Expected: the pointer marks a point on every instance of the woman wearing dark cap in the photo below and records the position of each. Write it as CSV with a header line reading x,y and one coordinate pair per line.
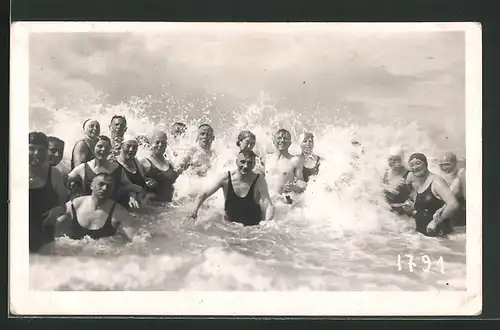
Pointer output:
x,y
432,193
46,191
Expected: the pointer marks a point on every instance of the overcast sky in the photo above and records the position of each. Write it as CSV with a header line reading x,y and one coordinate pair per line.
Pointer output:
x,y
418,75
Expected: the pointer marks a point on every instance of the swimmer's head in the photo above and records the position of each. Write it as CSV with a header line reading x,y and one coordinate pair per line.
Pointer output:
x,y
55,150
395,157
129,147
306,140
205,136
118,125
245,161
282,139
448,162
158,142
246,140
102,148
102,186
178,130
38,148
91,128
418,164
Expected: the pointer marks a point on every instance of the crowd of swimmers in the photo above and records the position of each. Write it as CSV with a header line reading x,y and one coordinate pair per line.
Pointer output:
x,y
106,181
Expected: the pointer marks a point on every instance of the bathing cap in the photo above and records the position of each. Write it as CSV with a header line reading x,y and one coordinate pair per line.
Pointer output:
x,y
243,135
38,138
420,157
396,151
128,137
88,121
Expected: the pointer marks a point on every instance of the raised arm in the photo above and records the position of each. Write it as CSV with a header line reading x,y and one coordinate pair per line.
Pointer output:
x,y
79,153
216,185
265,198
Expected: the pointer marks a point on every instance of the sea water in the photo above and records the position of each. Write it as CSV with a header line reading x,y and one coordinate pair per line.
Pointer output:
x,y
339,235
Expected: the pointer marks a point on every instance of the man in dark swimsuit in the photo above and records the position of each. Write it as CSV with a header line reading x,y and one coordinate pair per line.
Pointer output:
x,y
46,191
97,215
237,183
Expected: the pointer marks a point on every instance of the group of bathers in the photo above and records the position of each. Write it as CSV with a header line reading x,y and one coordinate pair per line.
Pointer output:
x,y
437,202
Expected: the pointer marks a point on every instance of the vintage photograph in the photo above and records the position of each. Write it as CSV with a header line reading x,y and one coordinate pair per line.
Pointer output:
x,y
239,157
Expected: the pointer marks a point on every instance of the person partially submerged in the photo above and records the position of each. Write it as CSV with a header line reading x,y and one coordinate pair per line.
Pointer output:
x,y
83,151
455,178
80,178
96,216
245,192
246,141
199,159
434,203
396,190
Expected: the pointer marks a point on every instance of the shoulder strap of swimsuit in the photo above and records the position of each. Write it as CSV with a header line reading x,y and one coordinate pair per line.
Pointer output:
x,y
254,182
73,212
406,174
49,175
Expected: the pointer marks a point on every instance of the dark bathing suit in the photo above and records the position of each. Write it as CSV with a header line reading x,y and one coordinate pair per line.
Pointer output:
x,y
89,155
308,172
79,232
242,209
164,191
426,204
400,196
41,200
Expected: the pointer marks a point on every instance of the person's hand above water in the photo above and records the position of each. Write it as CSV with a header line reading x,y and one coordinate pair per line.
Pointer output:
x,y
151,183
133,203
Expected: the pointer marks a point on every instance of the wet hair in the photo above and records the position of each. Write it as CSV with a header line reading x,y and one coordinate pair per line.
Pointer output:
x,y
247,153
282,131
206,125
420,157
55,139
105,176
243,135
179,124
118,117
104,138
38,138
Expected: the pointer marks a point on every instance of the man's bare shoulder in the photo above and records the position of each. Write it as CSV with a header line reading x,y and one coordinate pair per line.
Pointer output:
x,y
79,201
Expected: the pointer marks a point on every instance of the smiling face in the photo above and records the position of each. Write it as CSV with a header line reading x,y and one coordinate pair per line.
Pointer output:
x,y
102,187
159,143
394,162
92,129
129,149
418,167
38,155
102,149
118,127
307,144
245,163
205,137
282,141
247,143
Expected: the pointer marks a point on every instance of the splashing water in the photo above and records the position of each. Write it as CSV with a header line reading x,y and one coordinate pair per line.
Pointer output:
x,y
339,236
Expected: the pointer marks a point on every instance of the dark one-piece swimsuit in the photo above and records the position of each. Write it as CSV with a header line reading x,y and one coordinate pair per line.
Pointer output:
x,y
136,178
426,204
242,209
79,232
164,191
41,200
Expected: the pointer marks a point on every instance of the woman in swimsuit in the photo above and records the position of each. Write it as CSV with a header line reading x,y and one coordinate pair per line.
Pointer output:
x,y
246,141
83,149
80,178
132,167
431,194
310,161
396,191
160,169
46,191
